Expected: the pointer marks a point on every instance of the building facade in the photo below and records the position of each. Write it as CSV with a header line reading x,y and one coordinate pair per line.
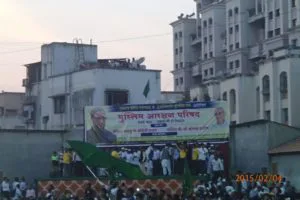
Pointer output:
x,y
11,110
70,77
247,53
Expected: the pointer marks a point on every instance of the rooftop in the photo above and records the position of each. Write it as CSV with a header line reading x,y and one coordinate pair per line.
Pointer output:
x,y
69,44
289,147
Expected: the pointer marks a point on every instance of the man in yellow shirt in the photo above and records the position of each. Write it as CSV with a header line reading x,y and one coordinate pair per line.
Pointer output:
x,y
195,155
67,159
115,154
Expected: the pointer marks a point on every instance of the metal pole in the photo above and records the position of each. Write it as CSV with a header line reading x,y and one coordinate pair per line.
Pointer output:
x,y
94,175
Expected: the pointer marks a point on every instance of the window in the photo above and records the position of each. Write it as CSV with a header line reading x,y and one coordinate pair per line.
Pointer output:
x,y
59,103
175,36
211,54
277,31
211,71
277,12
231,47
180,49
205,24
45,71
268,115
224,96
230,13
270,34
210,38
257,100
231,65
283,85
230,30
237,45
181,64
205,40
294,23
237,28
293,3
116,97
266,88
237,63
270,15
294,42
176,82
176,66
180,34
11,112
205,72
205,56
210,21
285,116
271,53
236,10
181,80
232,100
176,51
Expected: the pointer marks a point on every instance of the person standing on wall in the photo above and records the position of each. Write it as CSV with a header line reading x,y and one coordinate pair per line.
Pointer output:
x,y
67,158
166,161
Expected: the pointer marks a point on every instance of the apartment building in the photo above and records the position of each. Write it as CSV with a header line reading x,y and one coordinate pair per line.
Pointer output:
x,y
247,54
70,76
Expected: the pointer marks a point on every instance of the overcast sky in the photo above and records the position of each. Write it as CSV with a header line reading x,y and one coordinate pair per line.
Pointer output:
x,y
26,24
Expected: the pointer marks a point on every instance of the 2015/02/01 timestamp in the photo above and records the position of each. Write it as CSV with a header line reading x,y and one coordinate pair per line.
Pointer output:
x,y
258,178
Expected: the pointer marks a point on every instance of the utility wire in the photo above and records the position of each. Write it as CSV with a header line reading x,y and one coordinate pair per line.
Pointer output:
x,y
18,51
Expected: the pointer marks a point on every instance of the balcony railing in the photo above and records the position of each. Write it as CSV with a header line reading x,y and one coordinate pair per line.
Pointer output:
x,y
196,70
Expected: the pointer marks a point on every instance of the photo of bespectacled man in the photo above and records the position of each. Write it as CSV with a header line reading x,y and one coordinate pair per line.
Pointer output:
x,y
97,133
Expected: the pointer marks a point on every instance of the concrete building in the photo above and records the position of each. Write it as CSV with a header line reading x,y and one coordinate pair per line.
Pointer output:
x,y
281,158
11,110
252,142
247,54
69,77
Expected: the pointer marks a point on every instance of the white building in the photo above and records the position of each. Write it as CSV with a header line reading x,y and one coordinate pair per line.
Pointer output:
x,y
70,77
247,54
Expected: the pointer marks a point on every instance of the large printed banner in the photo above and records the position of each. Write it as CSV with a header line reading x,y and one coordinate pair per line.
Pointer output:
x,y
156,122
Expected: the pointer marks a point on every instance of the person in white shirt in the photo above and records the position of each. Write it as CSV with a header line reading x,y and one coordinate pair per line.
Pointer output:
x,y
202,158
15,183
5,188
30,193
149,162
23,186
156,162
18,193
129,156
216,167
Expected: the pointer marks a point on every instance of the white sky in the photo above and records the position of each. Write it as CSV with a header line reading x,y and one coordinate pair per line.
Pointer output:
x,y
26,24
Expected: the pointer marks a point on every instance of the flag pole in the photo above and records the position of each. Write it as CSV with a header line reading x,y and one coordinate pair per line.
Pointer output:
x,y
94,175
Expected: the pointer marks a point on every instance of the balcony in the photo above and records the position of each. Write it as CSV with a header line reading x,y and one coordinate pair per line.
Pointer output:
x,y
256,52
196,41
255,16
30,99
196,70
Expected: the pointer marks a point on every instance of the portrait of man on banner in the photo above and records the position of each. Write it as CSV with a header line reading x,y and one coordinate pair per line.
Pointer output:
x,y
97,133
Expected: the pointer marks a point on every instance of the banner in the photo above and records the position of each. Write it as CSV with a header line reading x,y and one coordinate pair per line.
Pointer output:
x,y
156,122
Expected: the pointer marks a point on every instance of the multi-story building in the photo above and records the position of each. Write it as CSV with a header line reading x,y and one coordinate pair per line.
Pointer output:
x,y
11,110
248,55
69,77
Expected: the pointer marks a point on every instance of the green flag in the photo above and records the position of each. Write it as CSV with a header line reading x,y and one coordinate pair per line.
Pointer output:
x,y
187,185
93,157
146,89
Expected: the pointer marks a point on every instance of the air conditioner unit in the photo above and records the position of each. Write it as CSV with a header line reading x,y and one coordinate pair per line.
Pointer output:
x,y
25,82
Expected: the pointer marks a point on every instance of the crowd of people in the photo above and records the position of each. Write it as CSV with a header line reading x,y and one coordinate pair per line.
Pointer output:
x,y
221,189
168,159
17,189
154,160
